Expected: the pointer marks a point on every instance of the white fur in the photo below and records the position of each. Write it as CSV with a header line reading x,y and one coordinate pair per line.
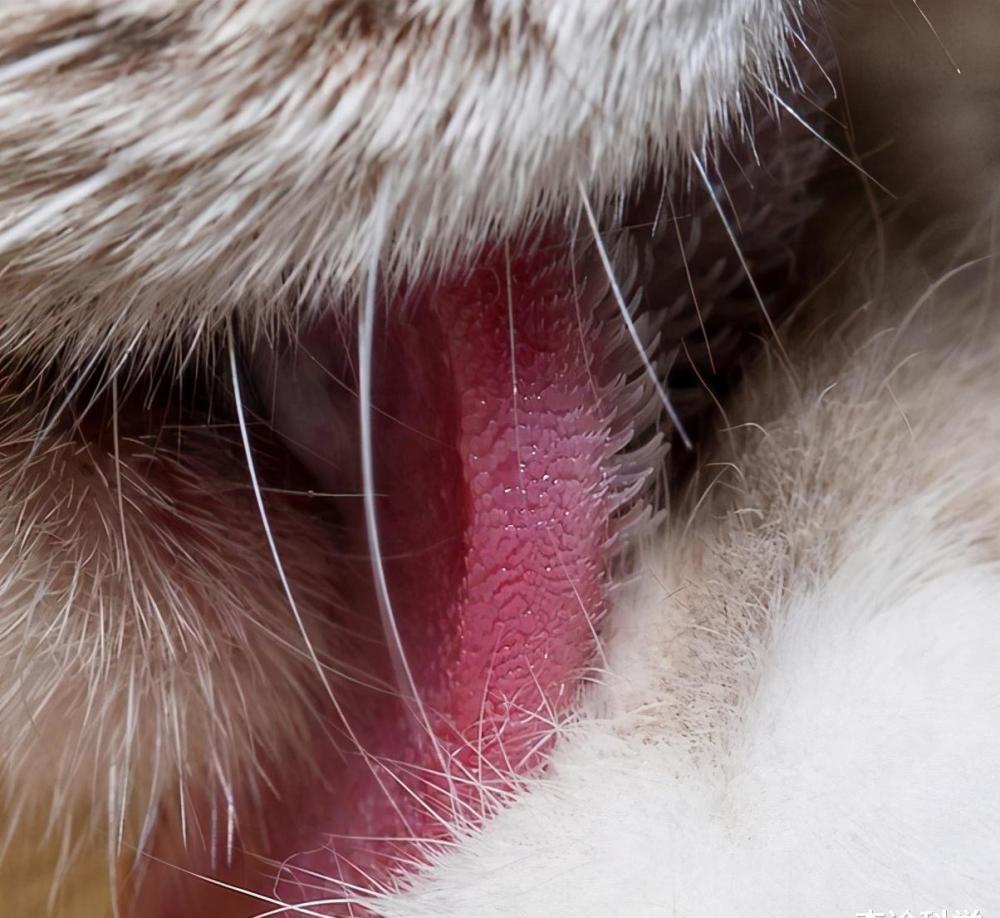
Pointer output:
x,y
170,166
800,714
864,774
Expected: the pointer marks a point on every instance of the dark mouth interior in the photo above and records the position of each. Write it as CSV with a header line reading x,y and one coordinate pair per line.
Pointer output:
x,y
518,448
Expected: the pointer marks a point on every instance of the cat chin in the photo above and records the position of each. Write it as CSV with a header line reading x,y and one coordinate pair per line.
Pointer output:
x,y
258,156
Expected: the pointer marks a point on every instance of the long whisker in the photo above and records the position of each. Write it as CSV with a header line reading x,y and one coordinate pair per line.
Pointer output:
x,y
851,161
515,394
727,226
627,319
272,545
690,283
937,36
118,800
390,627
280,907
404,674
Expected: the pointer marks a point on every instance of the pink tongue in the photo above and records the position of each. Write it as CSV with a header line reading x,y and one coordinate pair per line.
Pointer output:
x,y
498,476
496,495
499,523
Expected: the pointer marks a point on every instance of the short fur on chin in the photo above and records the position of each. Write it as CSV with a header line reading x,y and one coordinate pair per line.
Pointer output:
x,y
799,715
167,164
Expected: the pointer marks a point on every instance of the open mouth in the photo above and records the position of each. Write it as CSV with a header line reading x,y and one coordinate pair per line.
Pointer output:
x,y
487,442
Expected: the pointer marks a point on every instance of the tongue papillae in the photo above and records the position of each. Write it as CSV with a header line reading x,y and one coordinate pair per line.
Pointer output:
x,y
504,400
500,403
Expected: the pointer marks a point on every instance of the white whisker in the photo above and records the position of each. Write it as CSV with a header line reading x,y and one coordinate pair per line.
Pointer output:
x,y
279,906
404,674
937,36
727,226
629,323
850,160
286,586
515,395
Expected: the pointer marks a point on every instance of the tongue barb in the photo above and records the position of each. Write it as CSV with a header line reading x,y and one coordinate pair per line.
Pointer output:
x,y
497,467
500,524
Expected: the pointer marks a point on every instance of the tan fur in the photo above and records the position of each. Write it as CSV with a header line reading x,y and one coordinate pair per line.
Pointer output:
x,y
852,419
146,647
248,157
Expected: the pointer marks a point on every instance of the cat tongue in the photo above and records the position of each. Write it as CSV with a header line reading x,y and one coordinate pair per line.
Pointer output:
x,y
501,407
494,447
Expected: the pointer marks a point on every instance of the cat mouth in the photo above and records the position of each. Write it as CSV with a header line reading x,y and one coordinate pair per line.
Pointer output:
x,y
489,442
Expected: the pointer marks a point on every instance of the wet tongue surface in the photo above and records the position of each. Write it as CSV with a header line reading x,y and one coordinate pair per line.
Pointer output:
x,y
494,445
501,409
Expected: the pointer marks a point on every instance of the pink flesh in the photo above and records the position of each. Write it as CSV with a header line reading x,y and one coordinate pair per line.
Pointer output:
x,y
497,487
494,525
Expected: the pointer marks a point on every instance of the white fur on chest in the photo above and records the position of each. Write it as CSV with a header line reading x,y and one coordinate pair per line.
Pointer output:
x,y
861,772
800,711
